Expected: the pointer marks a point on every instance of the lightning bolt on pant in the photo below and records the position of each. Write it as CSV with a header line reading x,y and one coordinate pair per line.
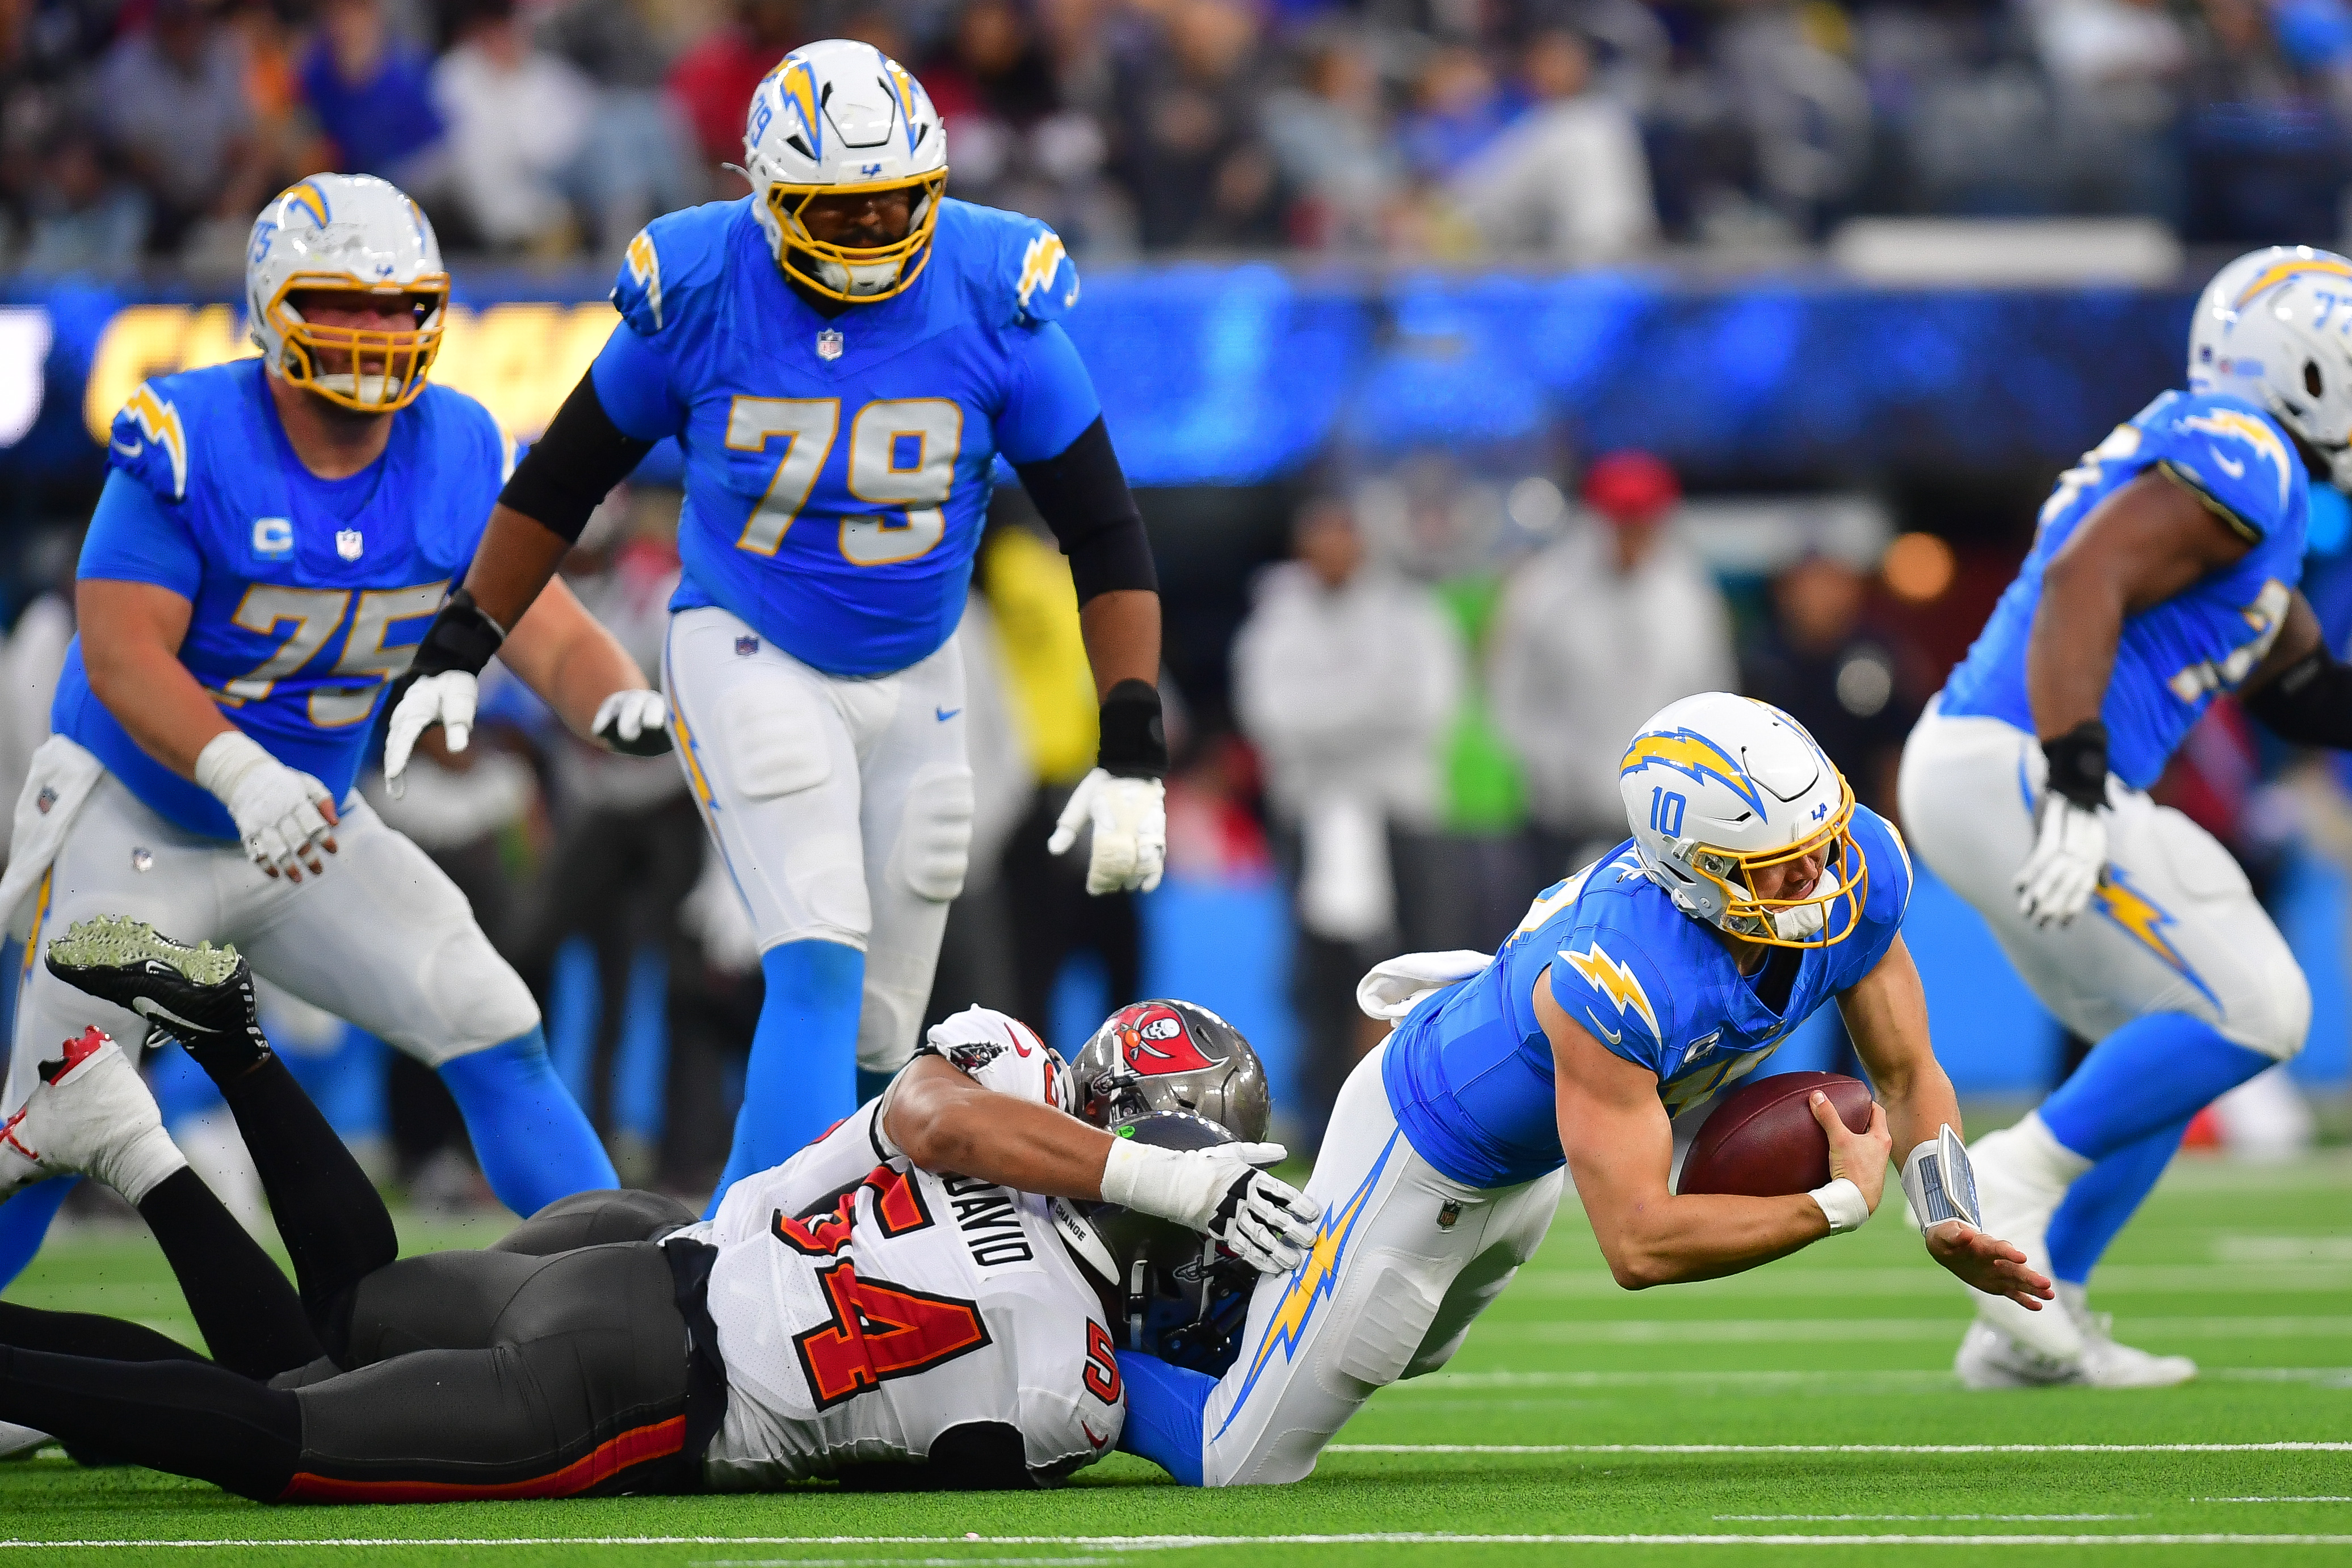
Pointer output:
x,y
2174,928
1404,1261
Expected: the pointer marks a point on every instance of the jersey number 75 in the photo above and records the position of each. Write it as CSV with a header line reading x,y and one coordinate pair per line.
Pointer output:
x,y
316,614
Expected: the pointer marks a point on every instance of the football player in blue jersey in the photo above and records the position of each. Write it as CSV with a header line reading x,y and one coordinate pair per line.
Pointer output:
x,y
2164,573
274,537
1753,891
844,354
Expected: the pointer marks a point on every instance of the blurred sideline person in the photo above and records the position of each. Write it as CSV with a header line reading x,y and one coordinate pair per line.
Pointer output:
x,y
933,1283
2164,573
273,534
1345,678
1753,891
843,353
1576,659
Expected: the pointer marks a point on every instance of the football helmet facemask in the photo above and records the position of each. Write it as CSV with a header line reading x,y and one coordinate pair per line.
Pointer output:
x,y
1717,788
837,118
346,232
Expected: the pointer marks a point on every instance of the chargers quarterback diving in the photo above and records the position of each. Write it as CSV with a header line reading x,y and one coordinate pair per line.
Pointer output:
x,y
934,1294
2164,573
1753,889
274,537
843,355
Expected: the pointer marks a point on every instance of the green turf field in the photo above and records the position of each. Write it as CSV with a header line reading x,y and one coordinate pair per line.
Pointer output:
x,y
1773,1418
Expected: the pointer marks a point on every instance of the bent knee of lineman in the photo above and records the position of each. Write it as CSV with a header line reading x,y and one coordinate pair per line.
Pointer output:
x,y
2275,1019
478,1001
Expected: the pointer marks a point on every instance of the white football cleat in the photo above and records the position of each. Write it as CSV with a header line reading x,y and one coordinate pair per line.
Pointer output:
x,y
1989,1359
90,1114
2105,1364
16,1442
2017,1193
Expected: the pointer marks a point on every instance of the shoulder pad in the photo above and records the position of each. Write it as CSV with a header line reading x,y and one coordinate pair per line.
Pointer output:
x,y
2232,455
669,253
1009,252
1046,286
1610,987
150,443
1000,1053
1889,861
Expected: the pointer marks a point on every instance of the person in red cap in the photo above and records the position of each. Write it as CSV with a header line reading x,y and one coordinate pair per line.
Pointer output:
x,y
1595,633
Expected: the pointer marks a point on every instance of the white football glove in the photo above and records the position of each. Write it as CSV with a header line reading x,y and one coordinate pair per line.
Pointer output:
x,y
448,699
275,808
634,723
1268,1224
1131,824
2058,878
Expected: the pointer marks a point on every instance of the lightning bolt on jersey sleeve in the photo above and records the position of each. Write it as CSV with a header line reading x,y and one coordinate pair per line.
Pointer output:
x,y
2173,658
839,466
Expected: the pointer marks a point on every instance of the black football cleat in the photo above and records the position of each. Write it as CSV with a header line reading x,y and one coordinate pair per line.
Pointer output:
x,y
200,996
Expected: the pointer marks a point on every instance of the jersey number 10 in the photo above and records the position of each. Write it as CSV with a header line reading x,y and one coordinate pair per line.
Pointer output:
x,y
902,456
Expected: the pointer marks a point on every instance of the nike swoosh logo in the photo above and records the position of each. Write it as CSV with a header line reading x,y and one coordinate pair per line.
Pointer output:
x,y
134,450
946,714
1615,1037
148,1009
2235,470
1093,1436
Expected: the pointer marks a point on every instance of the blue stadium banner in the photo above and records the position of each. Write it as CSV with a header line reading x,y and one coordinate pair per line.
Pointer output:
x,y
1242,374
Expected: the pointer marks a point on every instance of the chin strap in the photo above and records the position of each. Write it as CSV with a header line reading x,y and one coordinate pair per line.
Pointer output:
x,y
1939,1183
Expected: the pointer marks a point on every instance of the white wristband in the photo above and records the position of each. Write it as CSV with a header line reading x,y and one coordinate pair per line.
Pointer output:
x,y
225,759
1124,1168
1842,1206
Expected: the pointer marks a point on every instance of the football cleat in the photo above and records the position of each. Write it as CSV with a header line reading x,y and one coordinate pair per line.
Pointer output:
x,y
1989,1359
90,1114
2107,1365
201,996
21,1442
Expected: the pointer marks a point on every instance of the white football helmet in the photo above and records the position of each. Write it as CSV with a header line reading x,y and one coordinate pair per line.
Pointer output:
x,y
1717,788
2274,327
834,118
346,230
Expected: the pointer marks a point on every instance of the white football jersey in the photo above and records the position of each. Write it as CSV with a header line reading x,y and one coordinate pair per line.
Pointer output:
x,y
863,1307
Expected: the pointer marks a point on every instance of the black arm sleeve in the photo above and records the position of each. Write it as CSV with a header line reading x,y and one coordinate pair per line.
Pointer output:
x,y
2309,704
1083,497
575,465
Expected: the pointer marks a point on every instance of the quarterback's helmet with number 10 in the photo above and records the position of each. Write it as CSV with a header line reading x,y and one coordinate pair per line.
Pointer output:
x,y
346,232
1718,787
836,118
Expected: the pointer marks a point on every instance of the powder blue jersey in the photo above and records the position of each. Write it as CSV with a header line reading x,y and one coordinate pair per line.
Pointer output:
x,y
309,595
1469,1072
838,468
2174,656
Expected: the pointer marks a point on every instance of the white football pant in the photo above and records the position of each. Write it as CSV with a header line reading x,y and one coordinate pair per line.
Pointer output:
x,y
382,937
2173,928
840,806
1404,1260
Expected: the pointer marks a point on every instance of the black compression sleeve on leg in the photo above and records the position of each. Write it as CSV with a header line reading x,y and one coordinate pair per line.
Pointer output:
x,y
252,1320
86,1334
2309,704
1084,498
332,1218
184,1417
572,468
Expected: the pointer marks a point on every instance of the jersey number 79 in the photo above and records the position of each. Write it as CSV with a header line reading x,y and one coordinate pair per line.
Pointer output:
x,y
902,456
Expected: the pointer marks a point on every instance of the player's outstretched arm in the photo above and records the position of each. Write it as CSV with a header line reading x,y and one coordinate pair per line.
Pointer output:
x,y
943,1121
1619,1147
1886,1016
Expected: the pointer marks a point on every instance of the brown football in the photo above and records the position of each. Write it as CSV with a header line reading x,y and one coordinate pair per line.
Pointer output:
x,y
1762,1140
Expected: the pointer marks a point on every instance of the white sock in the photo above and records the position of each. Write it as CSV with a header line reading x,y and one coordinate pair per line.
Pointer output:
x,y
141,1165
2034,1154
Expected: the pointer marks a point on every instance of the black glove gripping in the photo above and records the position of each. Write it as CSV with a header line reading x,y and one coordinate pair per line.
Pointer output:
x,y
2078,764
1134,738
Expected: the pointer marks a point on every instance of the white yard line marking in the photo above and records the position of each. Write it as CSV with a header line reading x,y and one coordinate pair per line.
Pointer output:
x,y
1881,1381
1832,1330
1839,1449
1194,1543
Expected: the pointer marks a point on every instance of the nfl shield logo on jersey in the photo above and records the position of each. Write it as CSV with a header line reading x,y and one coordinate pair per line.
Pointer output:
x,y
828,344
348,544
746,647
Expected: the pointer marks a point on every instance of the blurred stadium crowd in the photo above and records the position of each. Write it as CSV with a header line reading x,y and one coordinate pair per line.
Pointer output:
x,y
1569,130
